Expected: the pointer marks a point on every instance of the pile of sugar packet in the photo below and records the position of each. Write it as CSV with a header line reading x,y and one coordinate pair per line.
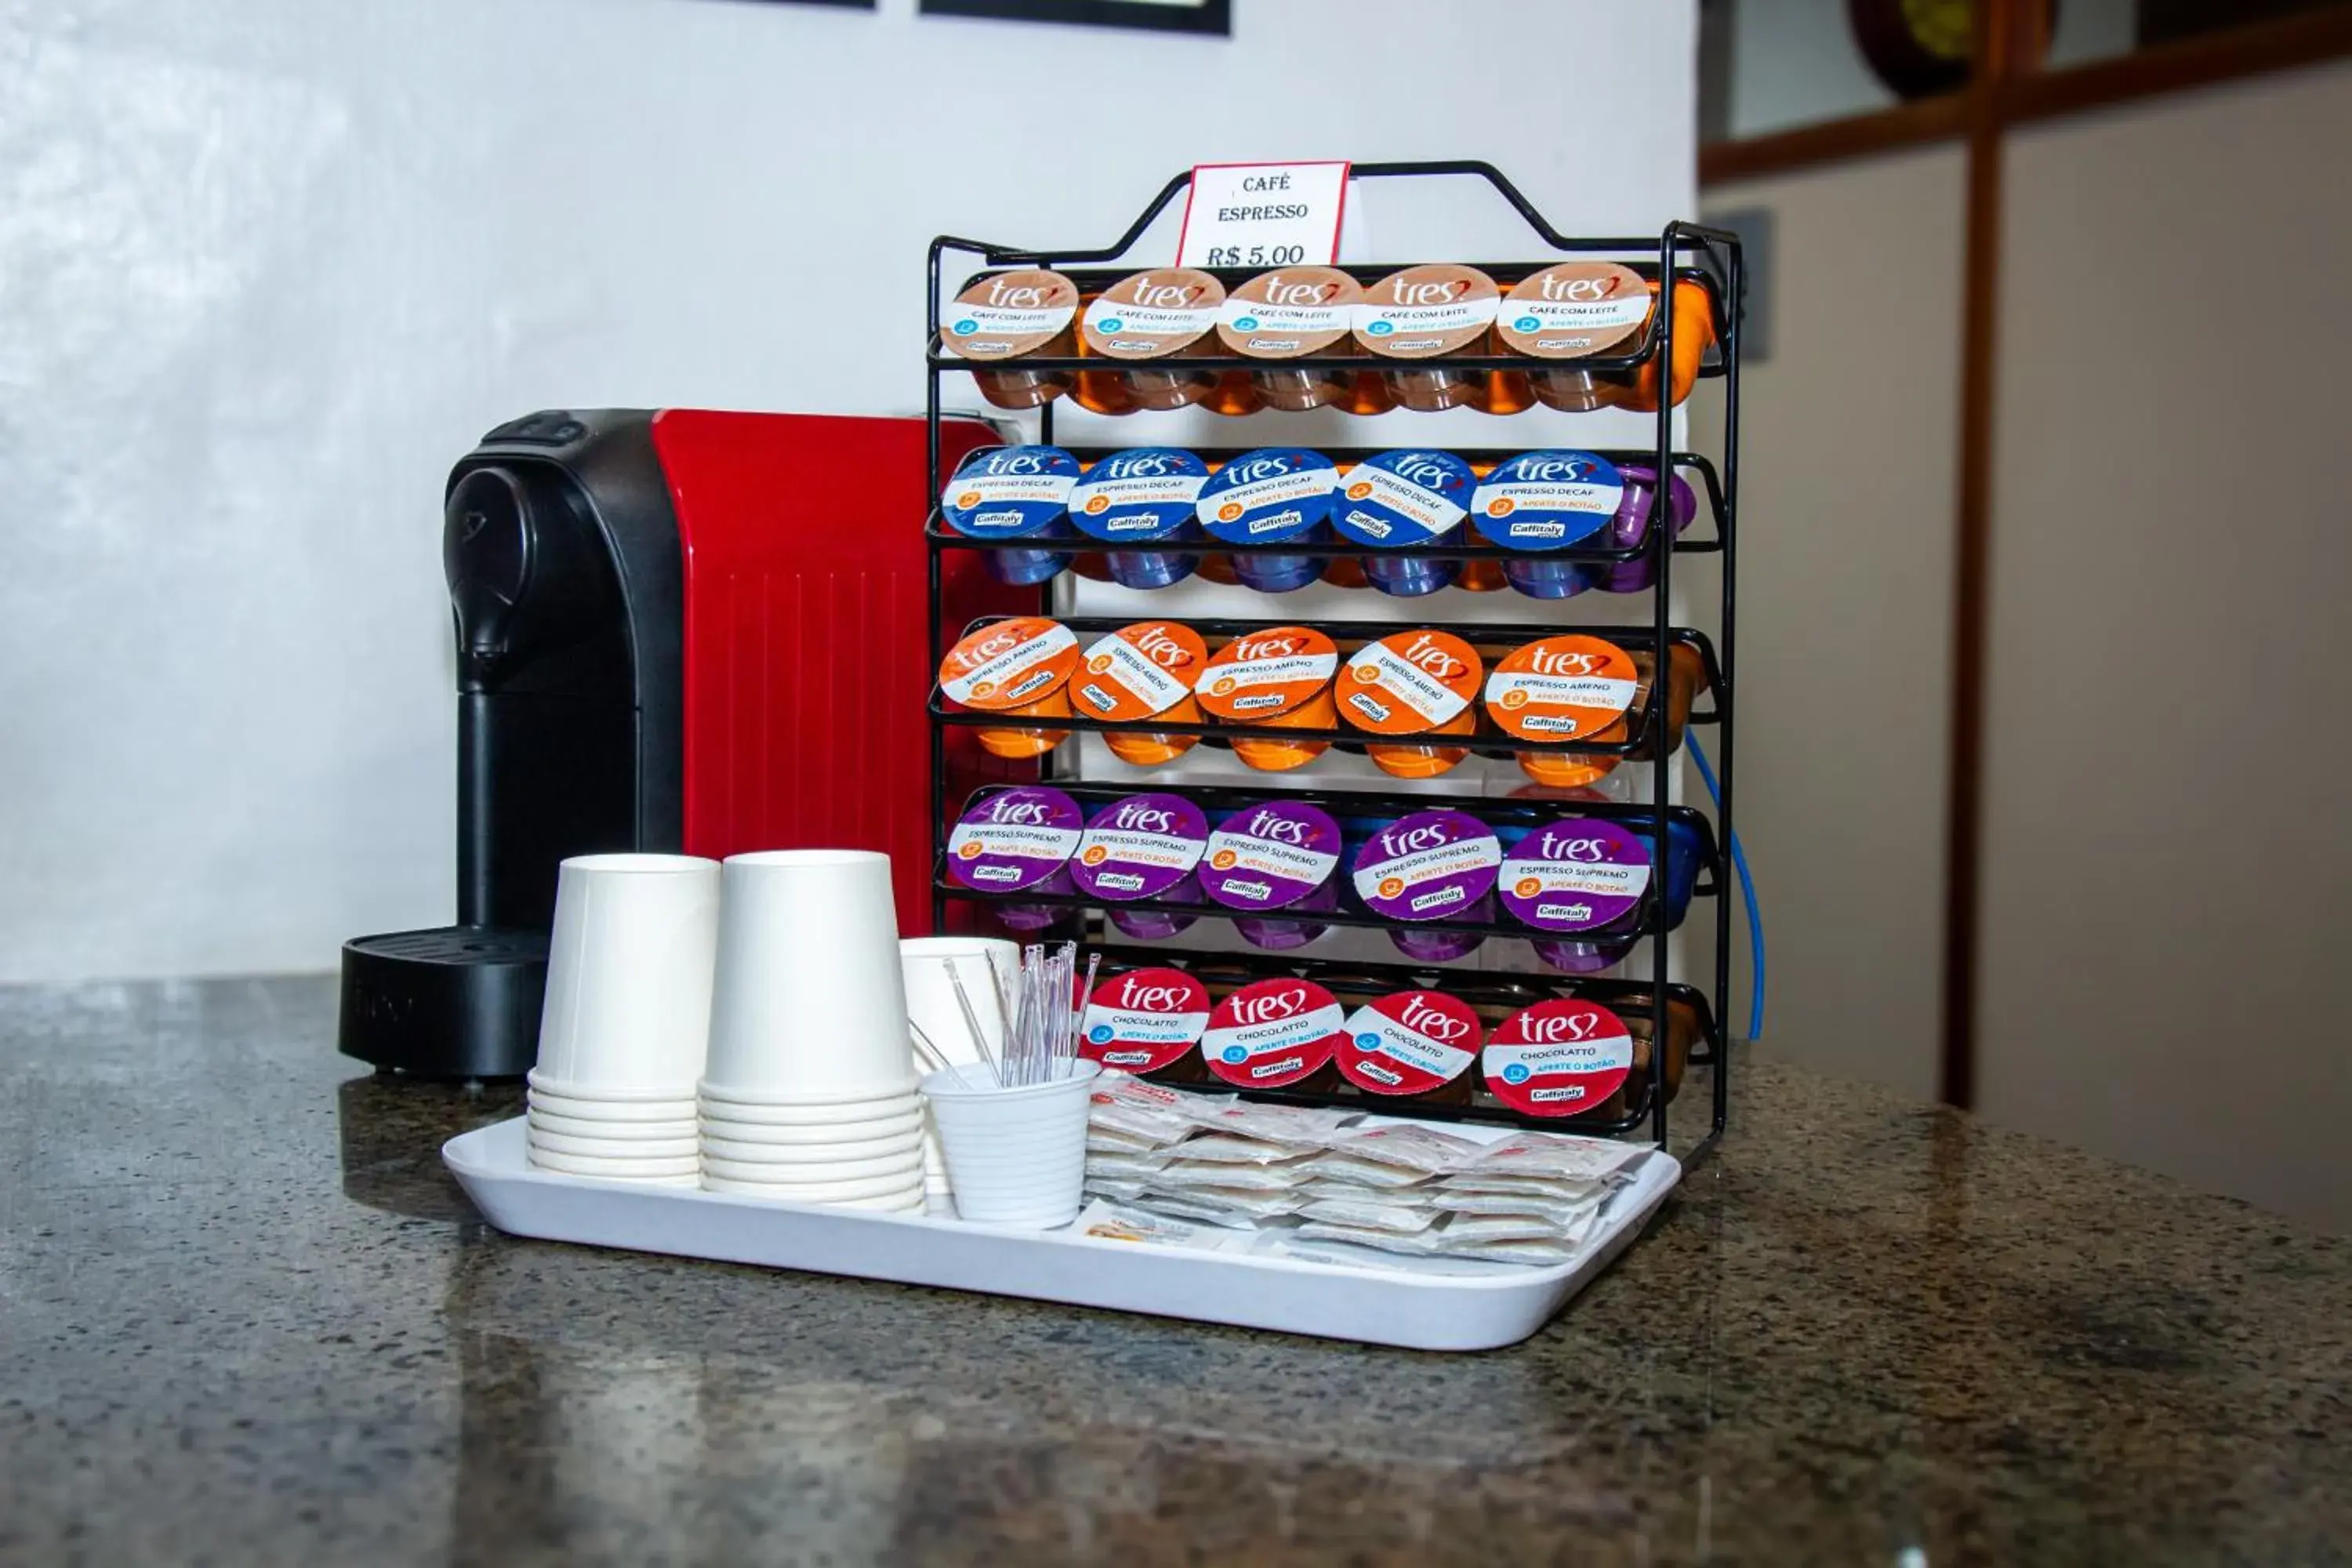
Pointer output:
x,y
1214,1171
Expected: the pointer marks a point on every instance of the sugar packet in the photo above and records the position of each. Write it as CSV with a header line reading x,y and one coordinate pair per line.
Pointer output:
x,y
1297,1126
1177,1176
1562,1213
1337,1168
1225,1149
1422,1149
1124,1105
1555,1157
1235,1210
1369,1212
1118,1222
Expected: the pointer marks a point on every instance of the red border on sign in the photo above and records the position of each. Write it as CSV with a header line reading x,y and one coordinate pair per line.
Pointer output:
x,y
1194,189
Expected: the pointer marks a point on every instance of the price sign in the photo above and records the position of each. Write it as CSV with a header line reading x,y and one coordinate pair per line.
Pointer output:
x,y
1264,215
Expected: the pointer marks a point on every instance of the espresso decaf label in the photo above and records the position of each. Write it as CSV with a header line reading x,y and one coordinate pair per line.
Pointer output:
x,y
1575,310
1141,847
1009,662
1404,497
1152,313
1139,671
1558,1059
1427,866
1015,839
1409,1043
1282,315
1146,494
1575,876
1008,314
1271,856
1265,674
1408,682
1144,1020
1273,1033
1269,495
1561,689
1547,501
1426,310
1009,492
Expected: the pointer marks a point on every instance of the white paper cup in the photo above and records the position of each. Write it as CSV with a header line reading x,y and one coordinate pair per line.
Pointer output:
x,y
904,1166
832,1107
808,1000
629,967
757,1154
619,1170
612,1148
588,1107
925,964
1015,1156
874,1186
810,1135
543,1120
907,1200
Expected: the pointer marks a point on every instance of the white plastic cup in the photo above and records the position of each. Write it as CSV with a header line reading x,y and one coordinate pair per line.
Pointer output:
x,y
808,1000
590,1108
616,1170
769,1135
629,966
1015,1156
794,1154
612,1148
872,1185
931,966
612,1131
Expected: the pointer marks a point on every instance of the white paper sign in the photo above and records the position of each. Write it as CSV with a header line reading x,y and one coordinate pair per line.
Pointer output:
x,y
1264,215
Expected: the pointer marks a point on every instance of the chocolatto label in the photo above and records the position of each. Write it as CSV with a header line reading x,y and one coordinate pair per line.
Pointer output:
x,y
1575,876
1015,839
1009,492
1273,1033
1144,1020
1140,846
1409,1042
1265,674
1561,689
1269,495
1425,310
1558,1059
1007,314
1282,315
1270,857
1147,492
1152,313
1408,682
1139,671
1547,501
1009,663
1427,866
1404,497
1575,310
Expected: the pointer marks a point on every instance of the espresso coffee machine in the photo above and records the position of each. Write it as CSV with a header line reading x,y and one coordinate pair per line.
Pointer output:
x,y
677,631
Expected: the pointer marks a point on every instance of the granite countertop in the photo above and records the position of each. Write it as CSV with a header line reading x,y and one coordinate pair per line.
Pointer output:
x,y
246,1317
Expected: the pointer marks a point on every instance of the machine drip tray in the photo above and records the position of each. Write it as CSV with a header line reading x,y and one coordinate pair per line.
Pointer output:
x,y
454,1002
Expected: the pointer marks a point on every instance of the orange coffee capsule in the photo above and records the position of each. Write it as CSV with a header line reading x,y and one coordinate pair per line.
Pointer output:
x,y
1412,683
1277,679
1020,667
1564,689
1143,671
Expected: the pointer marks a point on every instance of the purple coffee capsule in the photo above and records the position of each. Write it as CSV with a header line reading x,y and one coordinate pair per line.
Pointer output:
x,y
1431,866
1144,846
1578,874
1631,525
1281,855
1581,957
1016,840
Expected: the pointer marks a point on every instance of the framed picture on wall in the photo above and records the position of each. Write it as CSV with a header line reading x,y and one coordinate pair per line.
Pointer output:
x,y
1165,15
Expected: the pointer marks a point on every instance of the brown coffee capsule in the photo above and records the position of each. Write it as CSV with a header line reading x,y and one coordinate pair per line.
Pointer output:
x,y
1162,315
1429,313
1297,313
1571,312
1009,315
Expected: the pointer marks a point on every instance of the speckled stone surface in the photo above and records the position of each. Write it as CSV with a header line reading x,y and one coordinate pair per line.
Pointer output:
x,y
246,1317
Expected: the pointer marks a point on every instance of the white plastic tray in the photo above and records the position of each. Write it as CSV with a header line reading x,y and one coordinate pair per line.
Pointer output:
x,y
1378,1306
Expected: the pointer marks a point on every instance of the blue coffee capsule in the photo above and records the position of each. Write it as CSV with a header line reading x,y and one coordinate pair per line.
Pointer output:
x,y
1273,496
1144,493
1541,501
1399,500
1013,492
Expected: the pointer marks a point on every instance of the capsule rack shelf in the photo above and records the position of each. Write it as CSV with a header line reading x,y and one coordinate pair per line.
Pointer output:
x,y
1686,252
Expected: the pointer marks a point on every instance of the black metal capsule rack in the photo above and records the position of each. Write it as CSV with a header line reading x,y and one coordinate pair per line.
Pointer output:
x,y
1681,251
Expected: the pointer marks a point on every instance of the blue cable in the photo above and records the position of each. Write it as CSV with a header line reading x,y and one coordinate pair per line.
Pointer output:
x,y
1747,890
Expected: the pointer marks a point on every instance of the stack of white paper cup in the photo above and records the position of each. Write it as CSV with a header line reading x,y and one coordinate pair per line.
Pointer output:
x,y
932,964
1017,1156
808,1092
622,1033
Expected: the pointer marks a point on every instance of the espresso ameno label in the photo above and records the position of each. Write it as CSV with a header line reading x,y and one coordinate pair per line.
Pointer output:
x,y
1264,675
1008,314
1558,1059
1139,671
1576,310
1294,312
1144,1020
1422,312
1561,689
1152,313
1008,663
1575,876
1408,682
1409,1043
1273,1033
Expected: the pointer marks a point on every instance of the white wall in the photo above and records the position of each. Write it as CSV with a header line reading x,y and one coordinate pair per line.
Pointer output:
x,y
267,267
